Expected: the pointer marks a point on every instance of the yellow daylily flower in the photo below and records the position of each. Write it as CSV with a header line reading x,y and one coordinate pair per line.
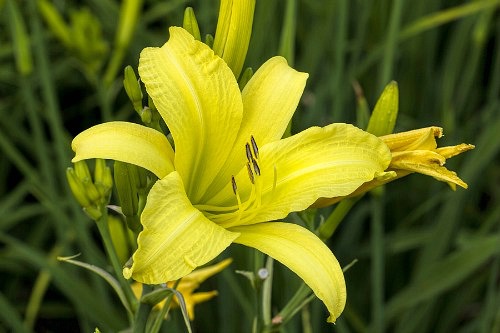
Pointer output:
x,y
231,172
413,151
189,284
417,151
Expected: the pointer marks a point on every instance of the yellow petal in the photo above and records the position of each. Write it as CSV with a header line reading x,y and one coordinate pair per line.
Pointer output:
x,y
318,162
419,139
199,99
450,151
176,238
201,274
303,253
269,101
126,142
234,28
197,298
425,162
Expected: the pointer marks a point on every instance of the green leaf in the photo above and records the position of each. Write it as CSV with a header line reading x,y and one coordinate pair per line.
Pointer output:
x,y
445,274
102,273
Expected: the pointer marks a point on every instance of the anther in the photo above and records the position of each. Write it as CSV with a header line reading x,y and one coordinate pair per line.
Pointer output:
x,y
250,173
248,151
233,182
254,147
256,167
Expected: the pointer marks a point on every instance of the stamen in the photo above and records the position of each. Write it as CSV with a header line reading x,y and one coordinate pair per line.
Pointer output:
x,y
250,173
249,152
254,147
233,182
256,167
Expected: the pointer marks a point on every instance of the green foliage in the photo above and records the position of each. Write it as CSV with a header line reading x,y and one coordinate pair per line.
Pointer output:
x,y
428,258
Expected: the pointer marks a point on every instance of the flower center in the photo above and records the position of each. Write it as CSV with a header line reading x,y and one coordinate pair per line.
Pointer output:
x,y
245,210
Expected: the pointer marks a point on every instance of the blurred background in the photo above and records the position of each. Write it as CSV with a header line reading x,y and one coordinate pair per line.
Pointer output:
x,y
428,257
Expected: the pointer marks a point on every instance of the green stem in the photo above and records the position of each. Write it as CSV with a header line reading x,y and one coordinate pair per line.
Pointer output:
x,y
155,328
326,230
267,288
258,259
36,297
391,43
102,225
302,296
129,15
287,42
377,250
142,314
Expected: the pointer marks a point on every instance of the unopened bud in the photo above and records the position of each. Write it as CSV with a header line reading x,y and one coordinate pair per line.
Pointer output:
x,y
191,24
133,88
77,188
245,77
103,179
385,113
209,40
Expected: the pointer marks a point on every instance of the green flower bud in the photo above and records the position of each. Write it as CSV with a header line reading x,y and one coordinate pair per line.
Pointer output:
x,y
245,77
93,196
92,212
77,188
133,89
191,24
209,40
385,113
126,188
103,179
82,171
146,115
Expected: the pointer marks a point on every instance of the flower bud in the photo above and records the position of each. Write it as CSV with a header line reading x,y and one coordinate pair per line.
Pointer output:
x,y
77,188
191,24
234,28
92,195
383,118
133,88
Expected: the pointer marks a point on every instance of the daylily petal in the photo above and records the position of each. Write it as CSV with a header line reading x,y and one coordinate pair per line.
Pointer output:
x,y
428,163
269,101
419,139
450,151
126,142
199,99
318,162
197,298
176,238
303,253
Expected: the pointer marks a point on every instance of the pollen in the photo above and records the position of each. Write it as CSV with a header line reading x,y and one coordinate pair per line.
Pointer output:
x,y
256,167
250,173
248,152
233,183
254,147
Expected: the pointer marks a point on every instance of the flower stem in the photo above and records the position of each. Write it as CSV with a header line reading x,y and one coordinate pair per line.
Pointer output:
x,y
142,314
155,328
267,287
326,230
102,225
302,297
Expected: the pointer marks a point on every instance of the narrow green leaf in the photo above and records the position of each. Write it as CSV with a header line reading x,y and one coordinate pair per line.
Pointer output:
x,y
445,274
102,273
